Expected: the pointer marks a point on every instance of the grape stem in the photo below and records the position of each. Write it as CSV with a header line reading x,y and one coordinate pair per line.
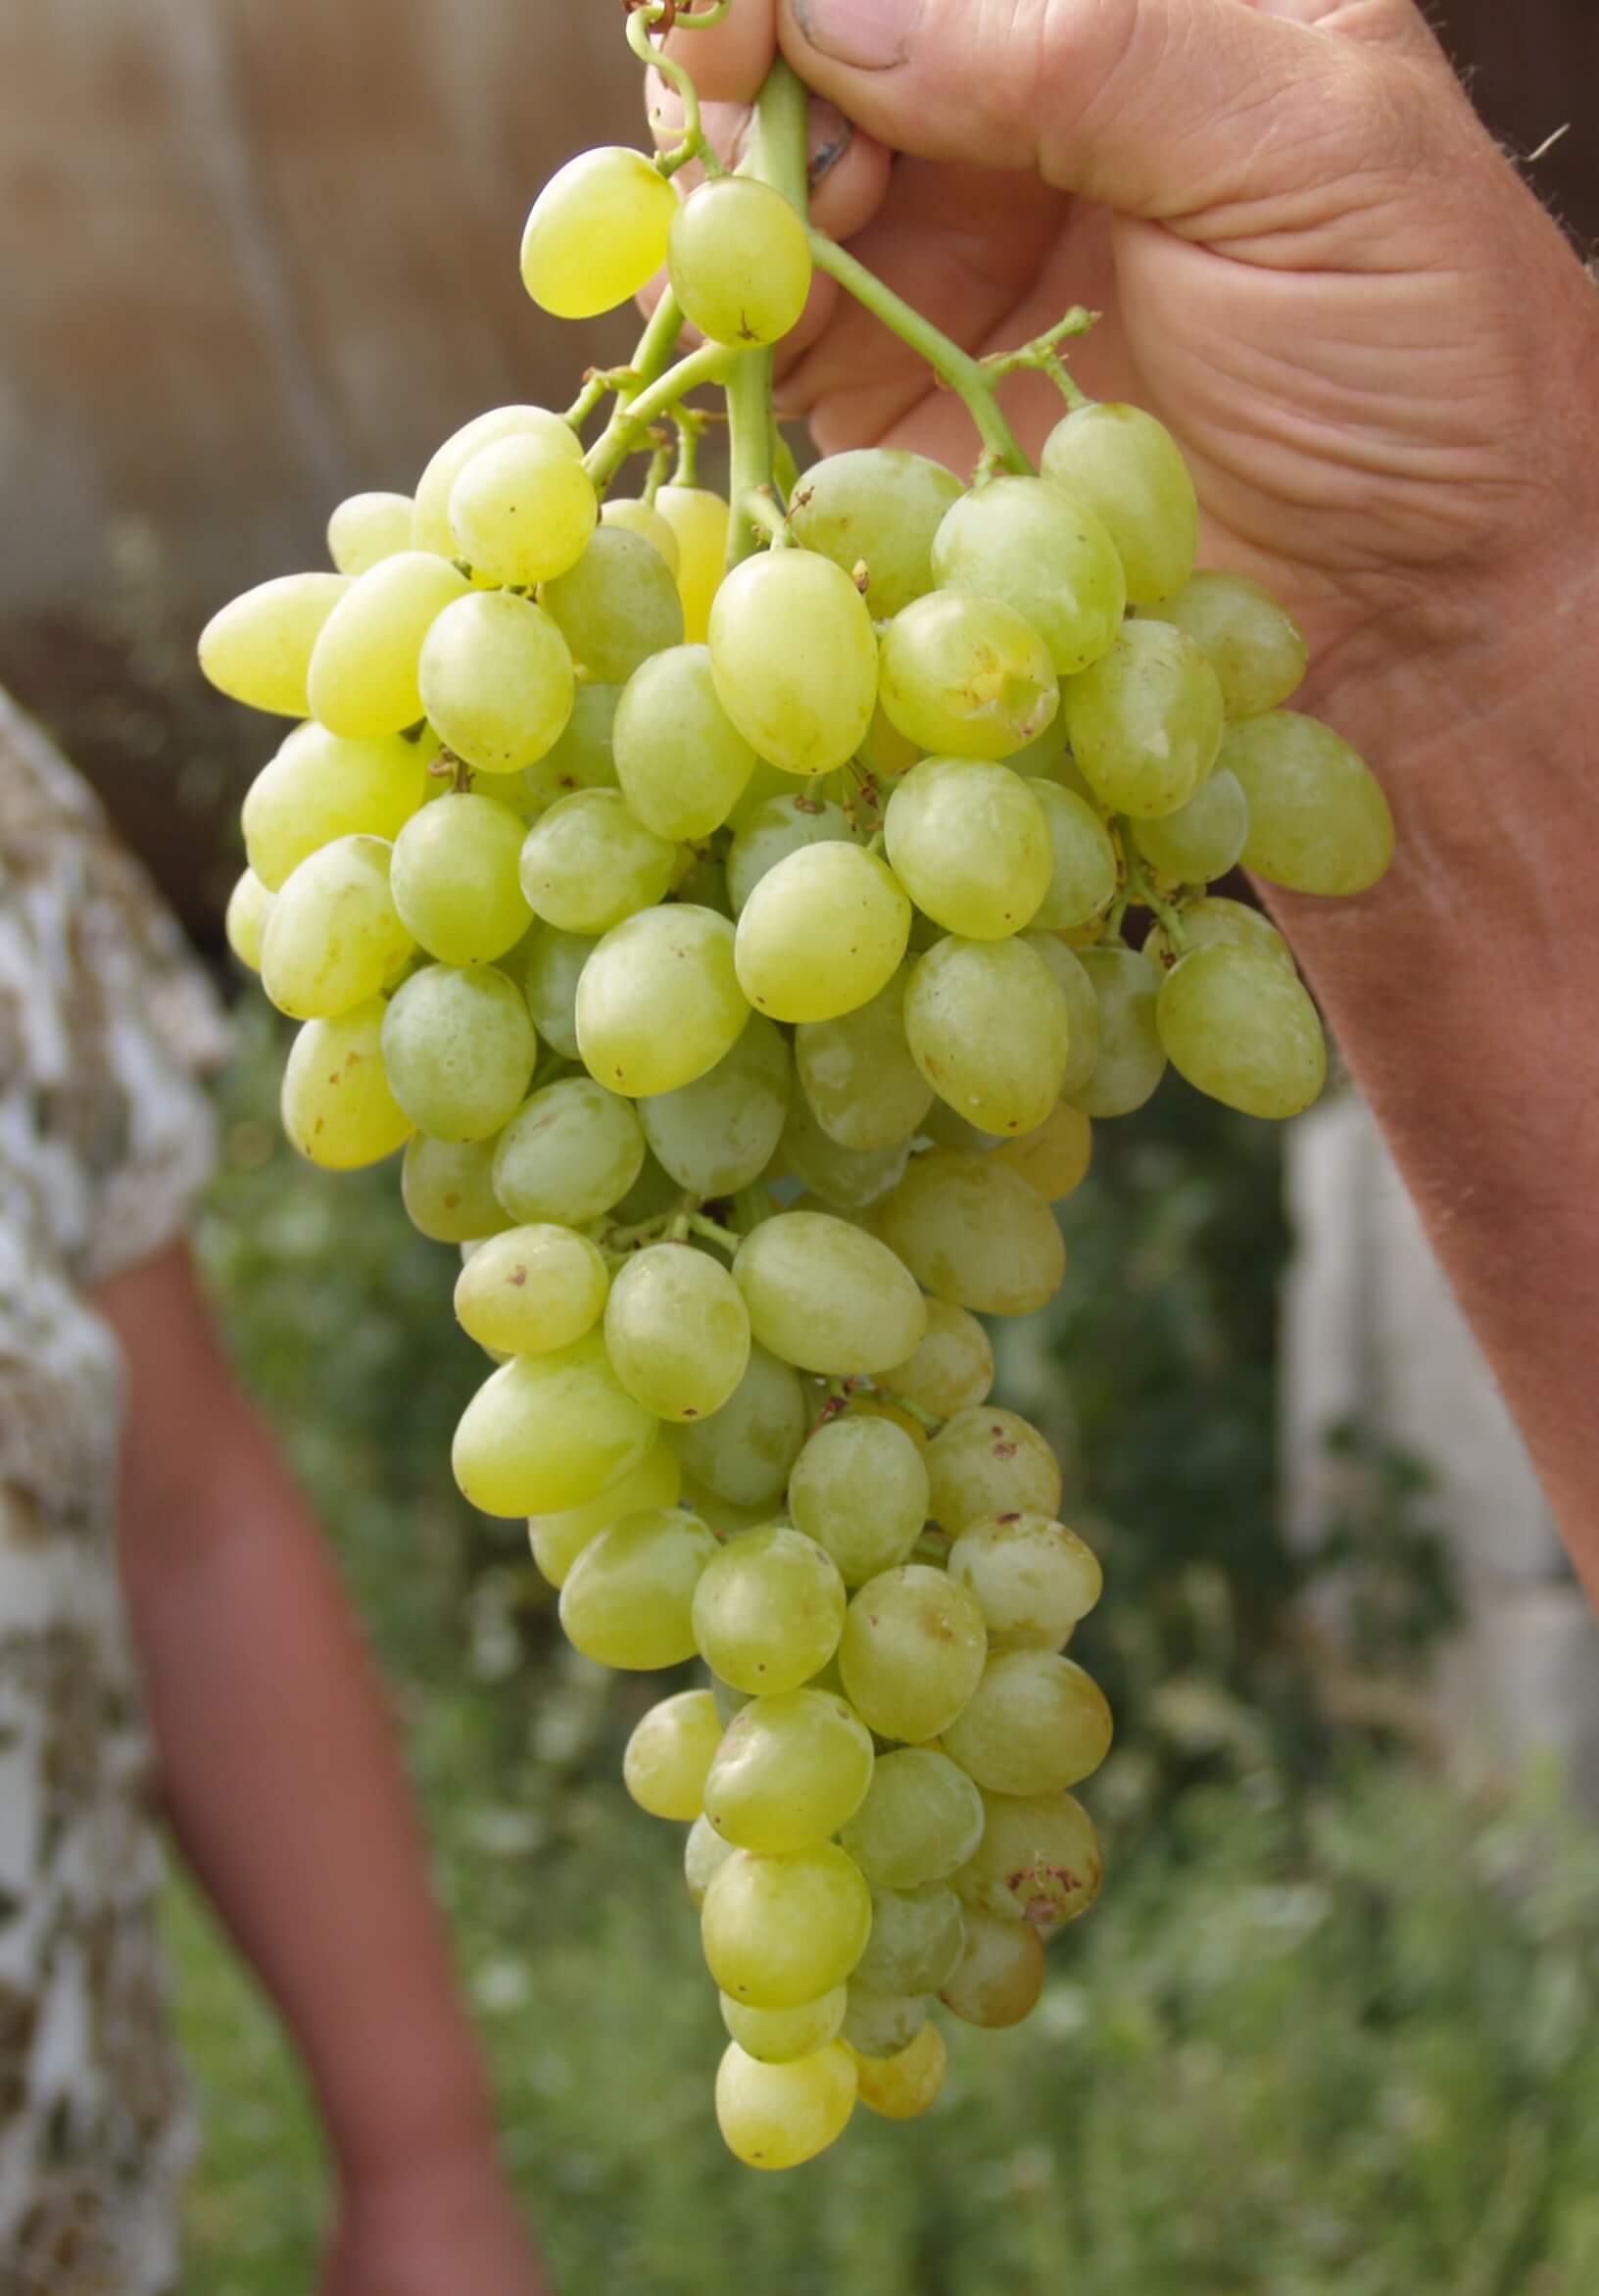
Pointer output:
x,y
641,25
1042,357
629,427
777,155
1139,888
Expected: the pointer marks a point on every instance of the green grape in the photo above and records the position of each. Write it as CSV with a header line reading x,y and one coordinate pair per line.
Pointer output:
x,y
531,1289
1317,819
793,1768
704,1853
821,933
986,1024
496,678
916,1939
522,511
1202,839
550,978
557,1539
921,1819
582,758
1082,1008
659,1002
966,676
336,1105
857,1075
430,526
779,2116
448,1186
677,1331
548,1431
669,1756
1054,1156
826,1297
779,1931
731,1703
597,232
1039,1860
587,863
318,788
971,846
1001,1973
454,879
703,883
717,1135
777,2037
681,761
249,906
334,936
1255,646
768,832
1031,1577
738,261
989,1462
1045,756
1215,919
618,605
1021,540
950,1371
1240,1028
1146,720
642,517
974,1233
363,680
258,647
882,2025
743,1453
794,659
848,1179
879,508
569,1152
911,1651
904,2086
769,1610
366,528
1132,1061
700,520
1083,859
1128,468
859,1490
460,1049
628,1597
1035,1723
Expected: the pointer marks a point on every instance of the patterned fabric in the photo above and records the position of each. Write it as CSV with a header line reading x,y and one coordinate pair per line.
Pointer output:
x,y
105,1023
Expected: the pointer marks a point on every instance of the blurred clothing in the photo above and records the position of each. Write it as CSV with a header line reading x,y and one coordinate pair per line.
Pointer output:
x,y
106,1024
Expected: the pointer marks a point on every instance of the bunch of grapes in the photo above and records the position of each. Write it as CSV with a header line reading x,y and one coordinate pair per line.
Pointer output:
x,y
726,909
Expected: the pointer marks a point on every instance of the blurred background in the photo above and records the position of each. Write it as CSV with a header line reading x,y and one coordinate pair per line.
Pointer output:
x,y
1335,2022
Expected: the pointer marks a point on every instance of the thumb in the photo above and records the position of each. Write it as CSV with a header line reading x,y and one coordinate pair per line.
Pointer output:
x,y
1165,109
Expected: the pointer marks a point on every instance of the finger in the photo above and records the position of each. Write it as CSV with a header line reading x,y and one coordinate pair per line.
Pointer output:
x,y
730,62
848,172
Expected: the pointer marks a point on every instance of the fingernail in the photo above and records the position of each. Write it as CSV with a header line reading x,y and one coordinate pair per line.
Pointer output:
x,y
830,136
870,34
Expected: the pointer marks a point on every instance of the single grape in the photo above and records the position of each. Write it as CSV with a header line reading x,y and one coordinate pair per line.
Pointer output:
x,y
901,2088
587,863
642,517
677,1331
460,1049
454,879
1317,819
597,232
952,1370
496,678
249,906
821,933
617,606
989,1462
793,1768
1023,540
882,2025
878,507
1215,919
550,977
258,647
970,843
766,833
778,2116
1242,1029
826,1297
1146,720
558,1539
966,676
777,2037
738,261
431,525
769,1610
1128,468
522,511
363,679
699,517
530,1290
628,1597
795,660
717,1135
916,1939
681,761
582,757
779,1931
743,1453
366,528
860,1080
659,1002
334,937
547,1431
317,788
1083,859
1132,1059
704,1853
1081,1009
1035,1723
1254,646
669,1756
1031,1577
847,1179
920,1821
1001,1973
568,1153
337,1108
1039,1860
911,1652
1054,1158
988,1026
860,1491
448,1186
974,1233
1202,839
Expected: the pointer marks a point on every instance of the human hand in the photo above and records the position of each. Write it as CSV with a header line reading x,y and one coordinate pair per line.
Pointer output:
x,y
447,2229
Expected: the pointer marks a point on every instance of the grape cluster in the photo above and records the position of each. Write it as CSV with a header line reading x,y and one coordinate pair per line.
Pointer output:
x,y
740,959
